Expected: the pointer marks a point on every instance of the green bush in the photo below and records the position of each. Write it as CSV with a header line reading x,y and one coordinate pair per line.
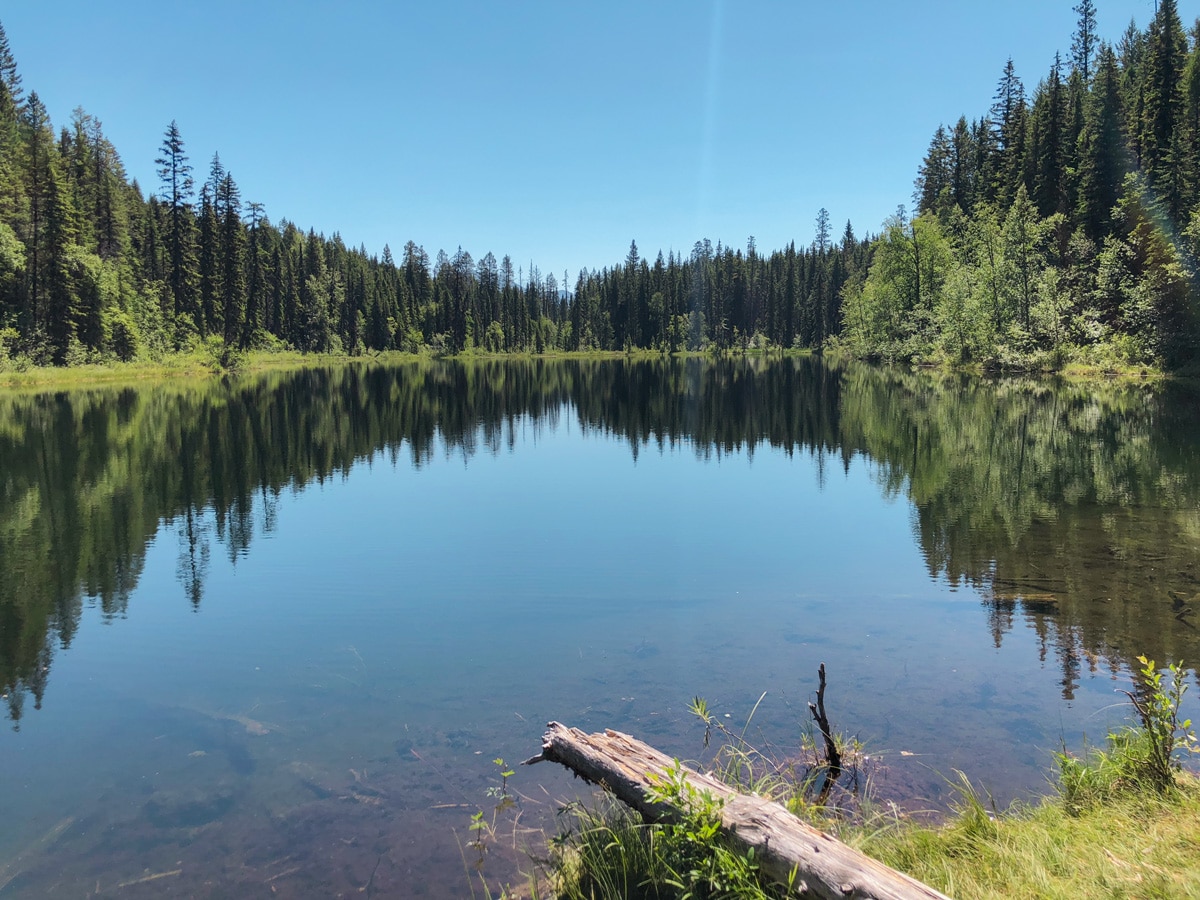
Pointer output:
x,y
1136,759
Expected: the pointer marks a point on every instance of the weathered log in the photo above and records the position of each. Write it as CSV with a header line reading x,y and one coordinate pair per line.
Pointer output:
x,y
787,849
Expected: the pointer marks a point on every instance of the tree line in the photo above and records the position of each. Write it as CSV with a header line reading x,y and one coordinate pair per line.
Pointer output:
x,y
93,268
1066,224
1058,225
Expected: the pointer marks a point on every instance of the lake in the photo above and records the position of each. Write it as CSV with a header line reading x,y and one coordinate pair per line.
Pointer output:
x,y
267,634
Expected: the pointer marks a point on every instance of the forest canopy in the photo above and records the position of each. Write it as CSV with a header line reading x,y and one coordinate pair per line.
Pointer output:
x,y
1059,225
1062,224
93,268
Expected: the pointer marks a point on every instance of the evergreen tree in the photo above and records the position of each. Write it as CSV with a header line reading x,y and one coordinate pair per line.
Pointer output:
x,y
1101,150
1047,147
1131,52
208,260
934,177
175,172
1154,305
10,81
822,242
1085,43
1077,95
1162,103
47,230
1008,117
75,151
53,237
233,252
110,209
963,159
1190,127
256,274
985,161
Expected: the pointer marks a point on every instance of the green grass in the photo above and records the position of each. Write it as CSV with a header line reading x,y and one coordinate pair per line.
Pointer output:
x,y
201,363
205,363
1123,822
1135,845
608,852
182,365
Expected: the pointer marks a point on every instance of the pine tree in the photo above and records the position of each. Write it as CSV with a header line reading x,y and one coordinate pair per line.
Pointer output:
x,y
1085,42
1048,153
321,290
1008,118
56,240
147,241
1101,150
208,259
1077,95
216,176
1131,53
75,151
1155,309
962,166
10,82
110,209
1162,103
175,173
1190,128
233,252
46,227
256,273
936,175
985,161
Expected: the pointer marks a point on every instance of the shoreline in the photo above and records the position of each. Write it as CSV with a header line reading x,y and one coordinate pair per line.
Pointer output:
x,y
197,365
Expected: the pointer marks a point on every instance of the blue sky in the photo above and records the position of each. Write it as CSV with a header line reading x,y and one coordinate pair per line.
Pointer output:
x,y
552,132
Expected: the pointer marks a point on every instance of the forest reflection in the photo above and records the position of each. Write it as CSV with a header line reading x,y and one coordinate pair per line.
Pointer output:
x,y
1073,508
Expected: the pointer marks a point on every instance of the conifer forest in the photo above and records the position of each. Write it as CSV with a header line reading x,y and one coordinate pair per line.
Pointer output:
x,y
1058,224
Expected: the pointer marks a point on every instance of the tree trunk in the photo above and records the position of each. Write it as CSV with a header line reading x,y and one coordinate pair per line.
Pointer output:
x,y
787,849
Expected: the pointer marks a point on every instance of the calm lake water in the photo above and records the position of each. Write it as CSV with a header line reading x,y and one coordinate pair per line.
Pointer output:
x,y
266,636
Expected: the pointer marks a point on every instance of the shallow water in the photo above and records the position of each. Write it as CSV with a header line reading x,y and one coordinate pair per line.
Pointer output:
x,y
269,634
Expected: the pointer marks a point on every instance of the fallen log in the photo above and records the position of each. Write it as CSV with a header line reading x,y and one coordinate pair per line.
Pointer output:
x,y
787,849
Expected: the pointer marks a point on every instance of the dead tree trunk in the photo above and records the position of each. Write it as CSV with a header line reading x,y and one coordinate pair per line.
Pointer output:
x,y
785,847
833,759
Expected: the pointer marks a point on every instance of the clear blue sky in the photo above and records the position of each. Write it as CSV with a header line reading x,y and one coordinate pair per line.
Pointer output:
x,y
551,131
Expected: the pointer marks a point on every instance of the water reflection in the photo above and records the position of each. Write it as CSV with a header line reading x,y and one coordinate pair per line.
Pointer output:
x,y
1074,509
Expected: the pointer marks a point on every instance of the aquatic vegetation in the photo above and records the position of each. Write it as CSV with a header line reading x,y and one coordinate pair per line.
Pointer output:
x,y
1143,758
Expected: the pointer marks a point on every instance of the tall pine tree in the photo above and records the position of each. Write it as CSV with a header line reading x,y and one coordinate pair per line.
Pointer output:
x,y
1085,44
1102,153
1162,104
175,173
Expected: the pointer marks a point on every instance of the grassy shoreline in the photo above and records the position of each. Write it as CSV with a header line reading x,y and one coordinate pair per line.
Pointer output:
x,y
191,365
201,363
1123,821
1134,845
1138,844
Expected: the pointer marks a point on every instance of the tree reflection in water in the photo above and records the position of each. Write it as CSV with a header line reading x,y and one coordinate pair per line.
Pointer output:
x,y
1072,508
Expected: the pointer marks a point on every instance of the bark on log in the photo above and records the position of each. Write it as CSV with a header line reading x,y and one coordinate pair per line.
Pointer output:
x,y
824,867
